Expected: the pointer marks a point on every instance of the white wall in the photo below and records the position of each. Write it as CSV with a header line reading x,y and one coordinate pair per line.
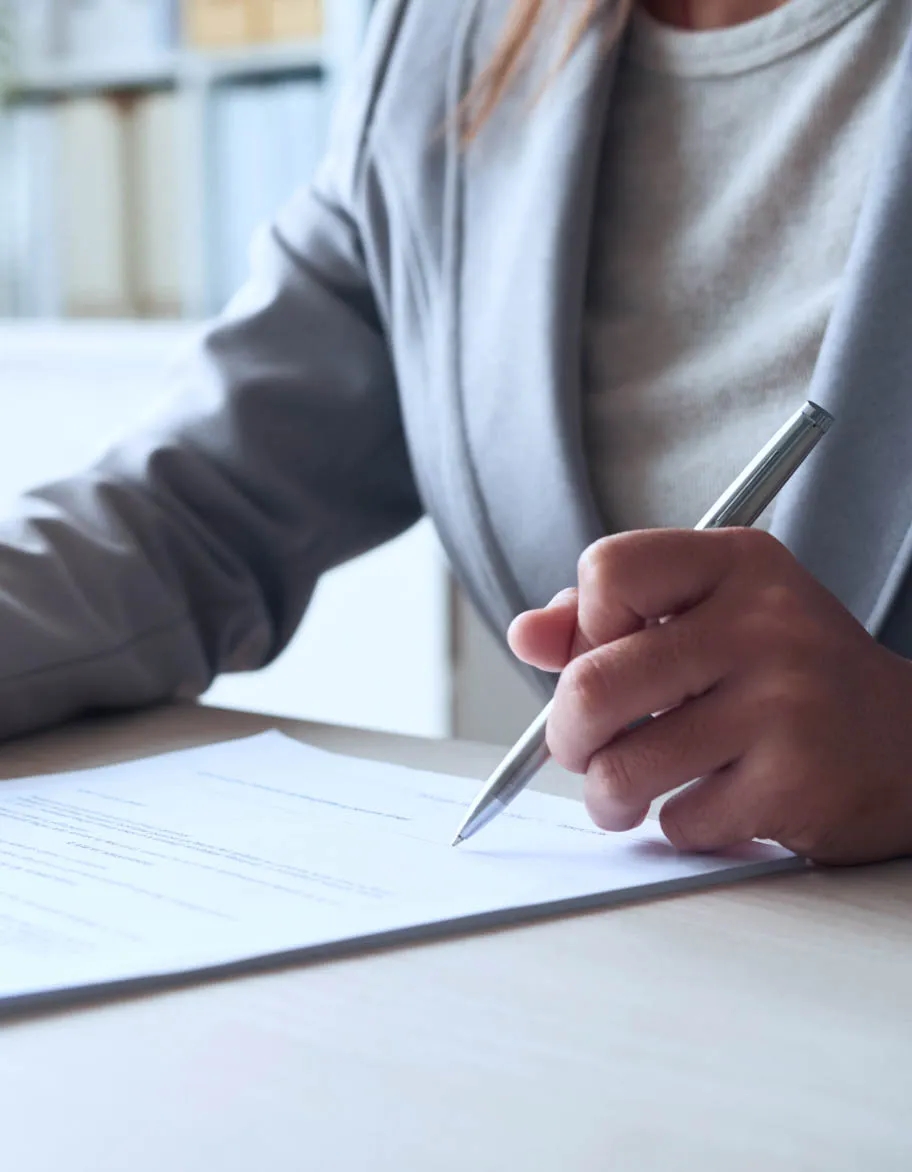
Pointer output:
x,y
492,701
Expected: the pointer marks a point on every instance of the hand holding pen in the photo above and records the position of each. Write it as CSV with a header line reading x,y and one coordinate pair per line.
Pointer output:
x,y
796,722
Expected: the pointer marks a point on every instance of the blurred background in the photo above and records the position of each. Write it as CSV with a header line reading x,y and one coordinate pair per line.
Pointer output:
x,y
141,143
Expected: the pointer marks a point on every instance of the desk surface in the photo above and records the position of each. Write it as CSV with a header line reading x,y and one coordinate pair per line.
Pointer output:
x,y
763,1026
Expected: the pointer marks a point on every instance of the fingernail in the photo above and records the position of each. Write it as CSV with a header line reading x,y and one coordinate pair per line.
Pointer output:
x,y
561,598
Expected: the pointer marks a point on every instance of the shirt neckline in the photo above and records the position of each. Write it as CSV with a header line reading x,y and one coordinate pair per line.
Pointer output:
x,y
662,48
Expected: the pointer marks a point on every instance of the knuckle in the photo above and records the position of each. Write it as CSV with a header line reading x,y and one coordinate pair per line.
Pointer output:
x,y
677,827
586,685
778,602
772,624
603,566
591,557
615,774
783,701
756,545
684,652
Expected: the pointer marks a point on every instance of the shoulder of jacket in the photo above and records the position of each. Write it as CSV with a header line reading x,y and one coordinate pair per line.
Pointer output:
x,y
402,89
404,48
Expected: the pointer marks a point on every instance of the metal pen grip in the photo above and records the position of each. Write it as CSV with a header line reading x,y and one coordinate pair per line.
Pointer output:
x,y
775,464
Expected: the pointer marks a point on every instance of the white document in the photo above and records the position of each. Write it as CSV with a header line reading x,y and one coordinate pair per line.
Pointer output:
x,y
220,857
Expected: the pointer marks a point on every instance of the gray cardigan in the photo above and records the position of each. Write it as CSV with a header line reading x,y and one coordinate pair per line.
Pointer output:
x,y
409,341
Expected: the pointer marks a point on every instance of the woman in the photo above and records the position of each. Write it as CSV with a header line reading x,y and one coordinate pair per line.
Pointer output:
x,y
546,288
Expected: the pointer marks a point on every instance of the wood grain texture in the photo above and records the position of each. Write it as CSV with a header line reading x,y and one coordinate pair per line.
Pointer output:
x,y
763,1026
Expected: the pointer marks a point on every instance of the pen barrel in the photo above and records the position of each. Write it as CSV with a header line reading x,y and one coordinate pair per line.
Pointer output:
x,y
774,465
524,760
510,777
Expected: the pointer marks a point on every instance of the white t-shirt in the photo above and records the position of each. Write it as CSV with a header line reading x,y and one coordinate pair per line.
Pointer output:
x,y
735,164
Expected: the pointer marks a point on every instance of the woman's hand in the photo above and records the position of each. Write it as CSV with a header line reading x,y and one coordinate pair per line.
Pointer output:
x,y
796,722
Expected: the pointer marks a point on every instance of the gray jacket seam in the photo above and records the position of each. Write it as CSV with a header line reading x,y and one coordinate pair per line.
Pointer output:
x,y
361,161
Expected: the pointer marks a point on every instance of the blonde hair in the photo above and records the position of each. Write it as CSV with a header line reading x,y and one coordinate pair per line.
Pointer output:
x,y
525,21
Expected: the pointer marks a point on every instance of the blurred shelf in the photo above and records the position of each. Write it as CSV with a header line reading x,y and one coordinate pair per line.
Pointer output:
x,y
255,61
173,69
207,88
57,79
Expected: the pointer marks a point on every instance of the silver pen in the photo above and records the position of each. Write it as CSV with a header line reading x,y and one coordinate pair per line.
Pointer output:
x,y
741,505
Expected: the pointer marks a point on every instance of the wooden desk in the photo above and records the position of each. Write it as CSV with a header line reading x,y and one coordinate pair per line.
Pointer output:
x,y
764,1026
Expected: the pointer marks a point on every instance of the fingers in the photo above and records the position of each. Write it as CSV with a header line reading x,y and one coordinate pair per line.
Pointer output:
x,y
703,736
633,577
626,582
604,690
547,638
727,808
620,659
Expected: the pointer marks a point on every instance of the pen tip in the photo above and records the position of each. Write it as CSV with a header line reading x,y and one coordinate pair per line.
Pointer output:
x,y
457,840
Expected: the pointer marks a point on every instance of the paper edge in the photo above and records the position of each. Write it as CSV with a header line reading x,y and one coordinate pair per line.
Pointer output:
x,y
46,1001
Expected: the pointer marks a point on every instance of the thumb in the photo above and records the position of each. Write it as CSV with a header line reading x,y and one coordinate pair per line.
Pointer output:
x,y
548,638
